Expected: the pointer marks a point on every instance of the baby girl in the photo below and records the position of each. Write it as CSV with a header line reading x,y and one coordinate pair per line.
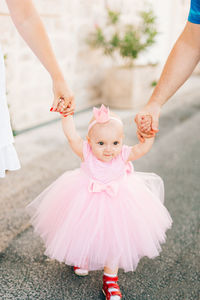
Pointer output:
x,y
103,215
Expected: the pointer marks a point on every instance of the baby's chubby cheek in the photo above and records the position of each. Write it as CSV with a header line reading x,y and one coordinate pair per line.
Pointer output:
x,y
96,151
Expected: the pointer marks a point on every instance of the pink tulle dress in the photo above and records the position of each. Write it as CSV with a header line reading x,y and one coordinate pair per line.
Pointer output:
x,y
102,214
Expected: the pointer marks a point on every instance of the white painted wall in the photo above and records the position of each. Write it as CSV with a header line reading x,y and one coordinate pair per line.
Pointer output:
x,y
68,22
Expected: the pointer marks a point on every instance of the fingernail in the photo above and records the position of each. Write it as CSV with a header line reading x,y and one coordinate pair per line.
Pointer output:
x,y
51,108
65,116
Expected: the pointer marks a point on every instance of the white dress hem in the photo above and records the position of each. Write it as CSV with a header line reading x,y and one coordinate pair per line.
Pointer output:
x,y
8,159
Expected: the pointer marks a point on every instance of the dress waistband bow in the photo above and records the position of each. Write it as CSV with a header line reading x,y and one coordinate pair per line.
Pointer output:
x,y
111,188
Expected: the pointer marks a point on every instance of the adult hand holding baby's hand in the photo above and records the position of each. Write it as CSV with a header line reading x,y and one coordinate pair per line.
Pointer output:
x,y
147,121
63,97
61,109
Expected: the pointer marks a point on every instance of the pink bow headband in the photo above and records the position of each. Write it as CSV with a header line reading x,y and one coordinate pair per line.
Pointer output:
x,y
102,115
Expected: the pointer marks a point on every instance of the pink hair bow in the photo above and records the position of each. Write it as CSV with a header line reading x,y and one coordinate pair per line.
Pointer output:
x,y
101,114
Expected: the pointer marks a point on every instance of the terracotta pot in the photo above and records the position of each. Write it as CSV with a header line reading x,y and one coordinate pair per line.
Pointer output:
x,y
125,87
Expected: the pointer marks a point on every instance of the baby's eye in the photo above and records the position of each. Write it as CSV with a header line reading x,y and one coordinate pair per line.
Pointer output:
x,y
116,143
101,143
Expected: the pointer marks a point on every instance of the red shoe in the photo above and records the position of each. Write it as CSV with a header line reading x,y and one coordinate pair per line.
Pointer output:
x,y
111,285
80,272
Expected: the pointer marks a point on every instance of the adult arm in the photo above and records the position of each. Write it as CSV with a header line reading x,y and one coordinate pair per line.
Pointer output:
x,y
31,28
181,62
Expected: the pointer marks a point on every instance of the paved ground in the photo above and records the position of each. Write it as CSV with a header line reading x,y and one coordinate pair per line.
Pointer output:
x,y
25,273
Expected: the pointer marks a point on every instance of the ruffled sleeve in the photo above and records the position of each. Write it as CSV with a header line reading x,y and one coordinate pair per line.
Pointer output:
x,y
86,149
125,152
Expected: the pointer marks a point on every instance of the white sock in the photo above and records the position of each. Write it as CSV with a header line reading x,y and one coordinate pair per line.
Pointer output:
x,y
110,275
112,289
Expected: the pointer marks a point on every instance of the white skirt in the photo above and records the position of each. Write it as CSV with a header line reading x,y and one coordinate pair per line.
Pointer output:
x,y
8,156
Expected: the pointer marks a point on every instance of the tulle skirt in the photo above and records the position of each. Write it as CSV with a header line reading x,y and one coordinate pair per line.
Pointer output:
x,y
94,229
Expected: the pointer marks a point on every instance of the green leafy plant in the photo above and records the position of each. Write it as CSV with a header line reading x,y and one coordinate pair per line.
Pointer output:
x,y
154,83
125,39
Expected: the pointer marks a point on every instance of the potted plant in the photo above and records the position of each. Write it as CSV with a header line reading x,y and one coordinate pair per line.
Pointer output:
x,y
125,84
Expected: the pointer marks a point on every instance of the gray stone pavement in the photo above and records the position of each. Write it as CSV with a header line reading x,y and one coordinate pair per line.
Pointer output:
x,y
25,273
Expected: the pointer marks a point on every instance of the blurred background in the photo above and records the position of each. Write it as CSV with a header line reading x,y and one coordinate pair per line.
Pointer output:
x,y
111,52
73,27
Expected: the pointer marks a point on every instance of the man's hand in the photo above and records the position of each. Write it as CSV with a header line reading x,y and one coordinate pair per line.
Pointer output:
x,y
147,121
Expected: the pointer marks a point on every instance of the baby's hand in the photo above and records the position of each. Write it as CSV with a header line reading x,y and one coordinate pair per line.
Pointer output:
x,y
144,122
147,121
61,108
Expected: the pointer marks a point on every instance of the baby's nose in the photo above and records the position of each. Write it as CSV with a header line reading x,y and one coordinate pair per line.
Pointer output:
x,y
108,147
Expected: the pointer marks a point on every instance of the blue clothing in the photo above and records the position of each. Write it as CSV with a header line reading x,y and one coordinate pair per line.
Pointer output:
x,y
194,14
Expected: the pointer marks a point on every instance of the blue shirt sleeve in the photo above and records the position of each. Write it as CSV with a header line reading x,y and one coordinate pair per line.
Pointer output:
x,y
194,14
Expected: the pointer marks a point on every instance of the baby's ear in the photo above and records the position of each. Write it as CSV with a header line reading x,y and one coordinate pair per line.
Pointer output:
x,y
88,139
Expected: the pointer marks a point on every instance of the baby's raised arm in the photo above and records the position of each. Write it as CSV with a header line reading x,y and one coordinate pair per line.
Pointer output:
x,y
74,139
141,149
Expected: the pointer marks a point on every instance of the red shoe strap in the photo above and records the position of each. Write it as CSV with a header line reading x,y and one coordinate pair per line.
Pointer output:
x,y
112,285
116,293
107,286
108,278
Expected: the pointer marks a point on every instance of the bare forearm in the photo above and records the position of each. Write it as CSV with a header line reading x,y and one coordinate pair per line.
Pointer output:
x,y
74,139
146,146
141,149
70,129
181,62
30,27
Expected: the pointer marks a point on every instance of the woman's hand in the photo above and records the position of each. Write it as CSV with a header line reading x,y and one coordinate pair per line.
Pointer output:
x,y
64,94
147,121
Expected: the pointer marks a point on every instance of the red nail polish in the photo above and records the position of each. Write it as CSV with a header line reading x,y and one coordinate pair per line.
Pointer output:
x,y
51,108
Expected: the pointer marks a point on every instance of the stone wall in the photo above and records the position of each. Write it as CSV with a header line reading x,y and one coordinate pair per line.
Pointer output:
x,y
68,23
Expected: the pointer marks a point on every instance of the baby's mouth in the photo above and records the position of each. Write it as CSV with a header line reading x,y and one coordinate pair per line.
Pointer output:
x,y
107,155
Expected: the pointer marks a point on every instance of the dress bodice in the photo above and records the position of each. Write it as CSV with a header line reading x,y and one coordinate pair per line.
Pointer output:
x,y
104,171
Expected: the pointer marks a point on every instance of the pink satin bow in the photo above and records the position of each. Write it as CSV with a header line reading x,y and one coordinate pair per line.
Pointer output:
x,y
110,188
